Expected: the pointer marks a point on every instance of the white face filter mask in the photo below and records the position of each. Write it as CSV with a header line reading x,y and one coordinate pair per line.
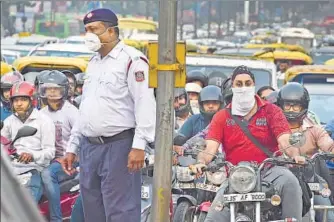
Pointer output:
x,y
194,106
92,42
243,100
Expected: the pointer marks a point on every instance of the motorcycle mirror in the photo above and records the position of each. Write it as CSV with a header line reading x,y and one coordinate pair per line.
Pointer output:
x,y
297,139
1,124
25,131
179,140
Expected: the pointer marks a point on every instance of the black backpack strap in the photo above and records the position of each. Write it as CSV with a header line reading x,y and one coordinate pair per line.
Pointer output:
x,y
245,129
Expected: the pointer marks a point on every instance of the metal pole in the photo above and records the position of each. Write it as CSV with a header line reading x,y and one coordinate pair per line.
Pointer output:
x,y
246,13
165,112
181,19
209,18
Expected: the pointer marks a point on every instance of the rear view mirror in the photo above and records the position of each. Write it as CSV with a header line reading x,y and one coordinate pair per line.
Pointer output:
x,y
25,131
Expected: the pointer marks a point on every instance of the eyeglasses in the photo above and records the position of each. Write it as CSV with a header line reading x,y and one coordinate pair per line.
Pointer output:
x,y
295,106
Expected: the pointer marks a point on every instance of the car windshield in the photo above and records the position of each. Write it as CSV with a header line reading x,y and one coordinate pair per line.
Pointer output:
x,y
30,76
28,43
22,52
321,58
322,105
59,53
262,77
10,58
304,42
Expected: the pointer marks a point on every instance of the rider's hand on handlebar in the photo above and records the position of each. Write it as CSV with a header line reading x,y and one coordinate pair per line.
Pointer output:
x,y
67,163
197,169
178,149
25,158
300,159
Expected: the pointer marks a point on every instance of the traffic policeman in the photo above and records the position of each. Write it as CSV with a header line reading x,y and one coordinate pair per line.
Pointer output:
x,y
117,120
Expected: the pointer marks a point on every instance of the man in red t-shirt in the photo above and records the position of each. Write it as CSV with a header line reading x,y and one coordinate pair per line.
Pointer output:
x,y
267,124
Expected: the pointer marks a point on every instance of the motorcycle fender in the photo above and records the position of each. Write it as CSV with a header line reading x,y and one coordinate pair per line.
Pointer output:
x,y
205,206
188,198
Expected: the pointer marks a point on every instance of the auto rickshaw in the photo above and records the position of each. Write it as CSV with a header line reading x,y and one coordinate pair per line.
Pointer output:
x,y
294,57
5,68
308,73
31,66
330,62
280,46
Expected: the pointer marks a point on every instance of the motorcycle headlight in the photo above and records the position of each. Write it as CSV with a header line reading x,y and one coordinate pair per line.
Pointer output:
x,y
183,174
217,178
242,179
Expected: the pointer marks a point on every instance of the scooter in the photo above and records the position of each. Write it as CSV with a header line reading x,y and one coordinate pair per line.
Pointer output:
x,y
69,189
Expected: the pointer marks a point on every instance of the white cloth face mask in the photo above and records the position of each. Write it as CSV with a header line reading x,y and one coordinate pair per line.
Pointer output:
x,y
243,100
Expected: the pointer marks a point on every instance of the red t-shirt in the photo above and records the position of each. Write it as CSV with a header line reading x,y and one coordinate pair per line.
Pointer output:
x,y
267,124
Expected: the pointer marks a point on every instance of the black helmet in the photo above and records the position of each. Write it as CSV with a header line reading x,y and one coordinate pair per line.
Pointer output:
x,y
216,78
272,97
53,79
79,77
227,90
210,93
178,92
197,75
297,94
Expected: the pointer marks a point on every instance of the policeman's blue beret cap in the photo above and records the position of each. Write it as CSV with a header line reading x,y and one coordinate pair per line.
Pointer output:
x,y
102,15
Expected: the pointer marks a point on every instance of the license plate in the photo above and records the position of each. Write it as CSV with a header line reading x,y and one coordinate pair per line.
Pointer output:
x,y
314,186
231,198
186,185
207,187
145,192
24,178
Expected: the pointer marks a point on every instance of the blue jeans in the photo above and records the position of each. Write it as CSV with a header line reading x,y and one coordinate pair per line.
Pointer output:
x,y
51,178
77,211
35,185
320,200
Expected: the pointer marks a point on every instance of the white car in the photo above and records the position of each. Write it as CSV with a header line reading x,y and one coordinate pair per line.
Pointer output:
x,y
78,39
23,50
264,71
62,50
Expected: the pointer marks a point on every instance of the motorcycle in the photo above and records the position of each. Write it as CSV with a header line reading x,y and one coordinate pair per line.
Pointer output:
x,y
318,186
69,189
197,191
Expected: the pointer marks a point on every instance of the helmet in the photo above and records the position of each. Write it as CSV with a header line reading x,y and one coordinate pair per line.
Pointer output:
x,y
79,77
227,90
22,89
178,92
197,75
53,79
216,78
210,93
297,94
193,87
272,97
7,81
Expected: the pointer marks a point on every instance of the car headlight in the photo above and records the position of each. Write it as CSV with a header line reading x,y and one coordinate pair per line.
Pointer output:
x,y
242,179
217,178
183,174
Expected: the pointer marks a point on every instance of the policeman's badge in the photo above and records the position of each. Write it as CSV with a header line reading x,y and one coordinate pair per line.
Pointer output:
x,y
140,76
89,15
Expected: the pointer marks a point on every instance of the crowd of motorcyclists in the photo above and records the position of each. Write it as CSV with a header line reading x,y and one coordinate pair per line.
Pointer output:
x,y
205,108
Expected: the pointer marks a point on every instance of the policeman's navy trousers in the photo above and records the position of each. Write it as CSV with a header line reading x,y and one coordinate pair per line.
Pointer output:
x,y
110,193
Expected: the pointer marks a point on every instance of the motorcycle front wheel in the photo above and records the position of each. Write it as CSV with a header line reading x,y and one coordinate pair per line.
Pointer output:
x,y
183,213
